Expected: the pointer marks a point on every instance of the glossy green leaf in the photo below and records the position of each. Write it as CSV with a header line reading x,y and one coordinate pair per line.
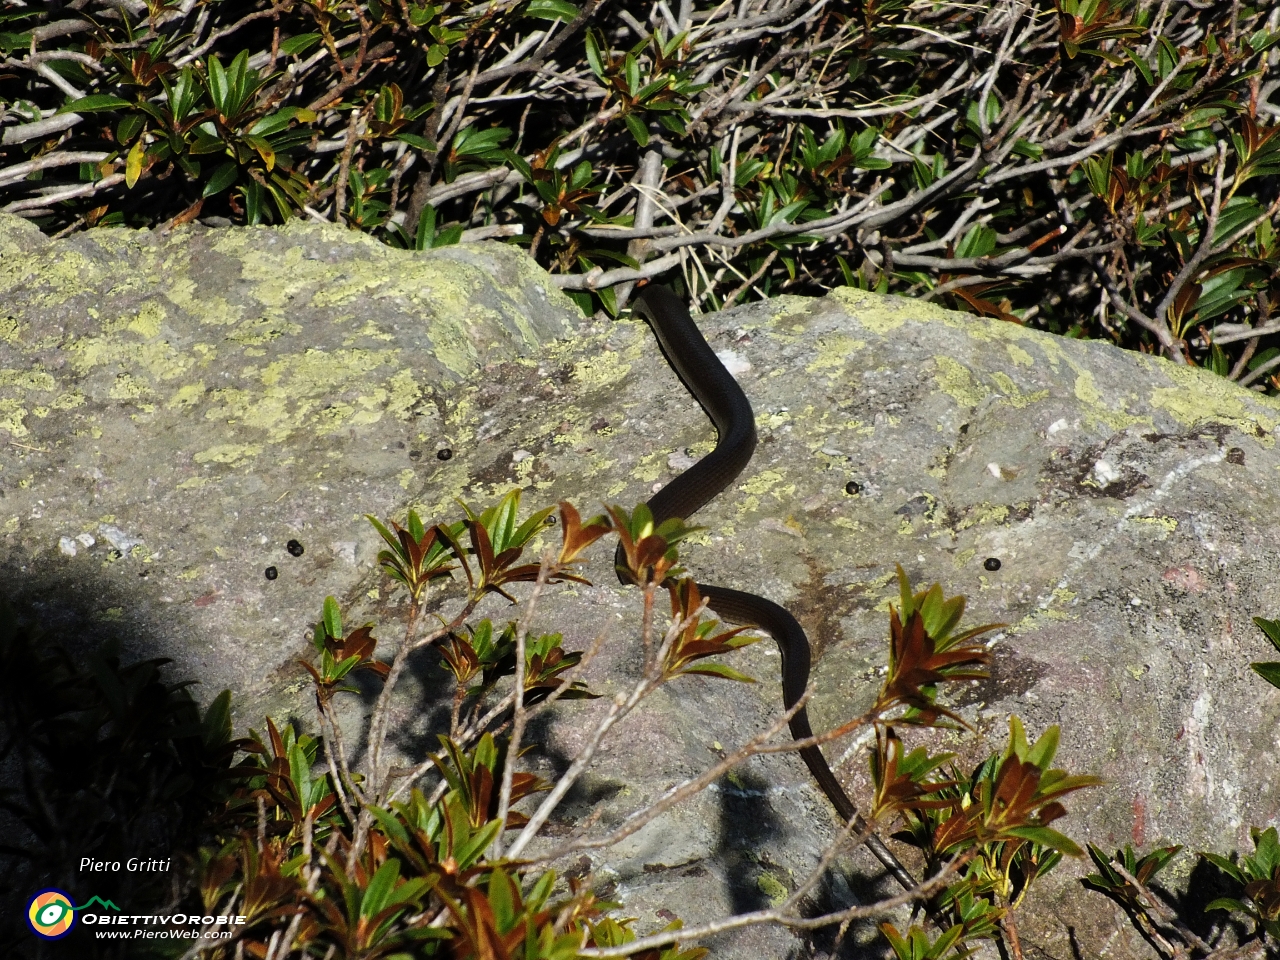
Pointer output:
x,y
637,128
552,10
296,46
221,178
94,104
422,143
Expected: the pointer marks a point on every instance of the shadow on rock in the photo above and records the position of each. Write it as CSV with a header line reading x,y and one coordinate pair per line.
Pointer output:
x,y
107,771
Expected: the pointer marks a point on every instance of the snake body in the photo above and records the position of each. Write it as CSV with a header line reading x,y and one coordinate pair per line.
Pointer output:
x,y
706,378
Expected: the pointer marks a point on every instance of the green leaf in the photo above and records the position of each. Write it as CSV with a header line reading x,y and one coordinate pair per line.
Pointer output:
x,y
379,890
469,852
300,773
1225,865
222,178
593,55
133,163
1047,838
129,127
1264,40
1261,357
718,670
422,143
449,236
1220,293
426,236
94,103
476,141
1167,57
216,726
275,122
1041,755
551,10
219,87
1267,855
519,164
979,241
1025,148
631,68
1143,69
500,899
637,128
849,280
296,46
1271,628
332,618
1237,212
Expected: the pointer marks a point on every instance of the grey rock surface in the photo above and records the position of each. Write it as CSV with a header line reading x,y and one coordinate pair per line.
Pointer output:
x,y
174,409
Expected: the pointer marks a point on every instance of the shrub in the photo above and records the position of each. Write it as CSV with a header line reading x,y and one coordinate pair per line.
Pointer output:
x,y
325,853
1093,168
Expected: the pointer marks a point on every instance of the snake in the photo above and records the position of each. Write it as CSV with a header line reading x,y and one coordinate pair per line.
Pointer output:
x,y
713,386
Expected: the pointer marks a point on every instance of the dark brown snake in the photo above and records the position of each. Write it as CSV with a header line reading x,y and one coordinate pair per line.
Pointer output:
x,y
706,378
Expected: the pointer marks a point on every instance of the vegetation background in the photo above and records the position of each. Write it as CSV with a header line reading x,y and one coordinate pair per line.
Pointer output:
x,y
1095,169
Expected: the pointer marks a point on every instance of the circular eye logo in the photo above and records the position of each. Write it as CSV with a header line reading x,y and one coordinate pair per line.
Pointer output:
x,y
50,914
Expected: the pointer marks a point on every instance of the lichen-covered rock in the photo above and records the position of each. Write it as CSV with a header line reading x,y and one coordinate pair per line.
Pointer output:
x,y
174,409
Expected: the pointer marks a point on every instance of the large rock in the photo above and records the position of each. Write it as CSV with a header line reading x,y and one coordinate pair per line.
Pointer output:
x,y
192,402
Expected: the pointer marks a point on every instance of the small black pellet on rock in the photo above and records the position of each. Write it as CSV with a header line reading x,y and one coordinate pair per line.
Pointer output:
x,y
444,454
852,487
272,573
991,563
294,548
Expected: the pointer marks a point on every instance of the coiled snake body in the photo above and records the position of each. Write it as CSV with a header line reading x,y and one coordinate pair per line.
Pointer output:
x,y
706,378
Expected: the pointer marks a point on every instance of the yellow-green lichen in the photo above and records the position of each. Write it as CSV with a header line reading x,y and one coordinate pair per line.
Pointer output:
x,y
231,453
1096,411
602,370
1013,395
27,380
11,330
1019,356
767,481
12,413
405,392
834,352
1166,524
772,887
983,513
1199,396
955,380
771,421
